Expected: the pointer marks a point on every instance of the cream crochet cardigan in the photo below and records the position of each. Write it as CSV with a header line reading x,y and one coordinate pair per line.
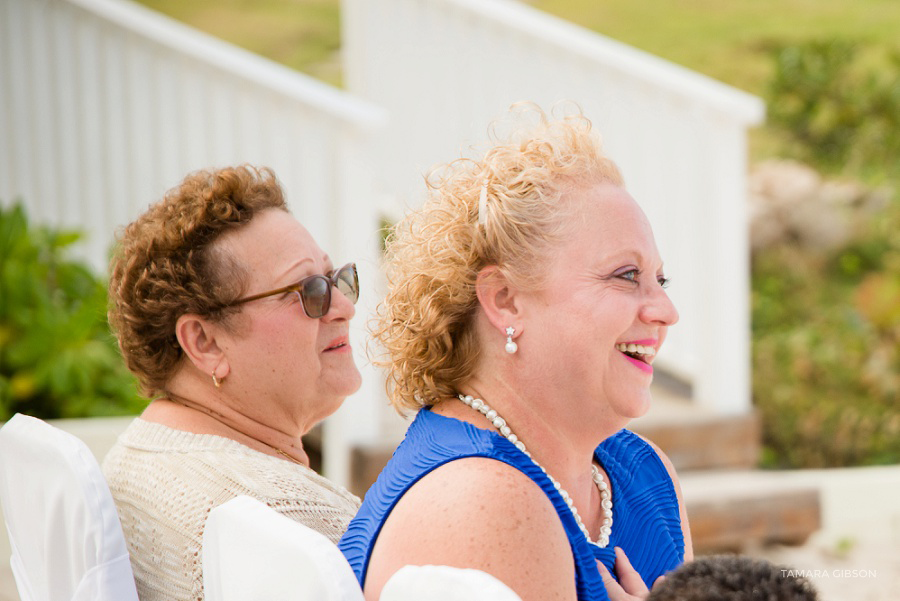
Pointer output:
x,y
165,482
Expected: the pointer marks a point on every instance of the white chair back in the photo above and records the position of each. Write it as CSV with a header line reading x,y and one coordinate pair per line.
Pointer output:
x,y
253,553
445,583
67,542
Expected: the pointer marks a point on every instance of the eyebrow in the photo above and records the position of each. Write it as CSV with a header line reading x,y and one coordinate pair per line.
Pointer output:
x,y
326,260
634,255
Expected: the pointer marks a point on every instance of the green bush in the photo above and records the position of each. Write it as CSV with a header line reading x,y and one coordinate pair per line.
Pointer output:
x,y
826,326
57,356
826,350
837,109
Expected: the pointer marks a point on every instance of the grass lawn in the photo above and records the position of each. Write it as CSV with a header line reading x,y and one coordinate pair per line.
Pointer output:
x,y
730,40
726,40
303,34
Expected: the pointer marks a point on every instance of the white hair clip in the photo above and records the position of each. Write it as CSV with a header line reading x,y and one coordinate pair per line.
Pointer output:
x,y
482,203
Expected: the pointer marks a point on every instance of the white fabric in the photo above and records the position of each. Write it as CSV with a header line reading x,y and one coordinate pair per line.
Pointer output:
x,y
64,531
444,583
253,553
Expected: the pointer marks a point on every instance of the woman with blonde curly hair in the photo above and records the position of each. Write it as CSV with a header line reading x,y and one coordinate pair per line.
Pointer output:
x,y
235,323
525,308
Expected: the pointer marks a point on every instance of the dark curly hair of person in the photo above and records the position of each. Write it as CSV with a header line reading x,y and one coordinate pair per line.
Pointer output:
x,y
166,264
733,578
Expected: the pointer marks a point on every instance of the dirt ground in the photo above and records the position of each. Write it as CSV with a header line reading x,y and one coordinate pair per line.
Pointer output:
x,y
861,571
856,554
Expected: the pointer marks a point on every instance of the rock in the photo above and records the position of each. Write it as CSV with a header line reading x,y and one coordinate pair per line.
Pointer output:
x,y
819,227
780,182
846,194
791,203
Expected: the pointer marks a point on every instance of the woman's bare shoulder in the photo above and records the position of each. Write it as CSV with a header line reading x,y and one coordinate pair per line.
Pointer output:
x,y
478,513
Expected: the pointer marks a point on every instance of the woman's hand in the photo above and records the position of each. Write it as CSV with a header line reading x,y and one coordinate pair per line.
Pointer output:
x,y
630,585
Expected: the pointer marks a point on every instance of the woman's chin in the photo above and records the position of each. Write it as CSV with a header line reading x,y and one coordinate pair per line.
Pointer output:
x,y
637,406
349,382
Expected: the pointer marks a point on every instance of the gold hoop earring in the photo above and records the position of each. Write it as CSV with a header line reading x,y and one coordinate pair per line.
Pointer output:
x,y
215,380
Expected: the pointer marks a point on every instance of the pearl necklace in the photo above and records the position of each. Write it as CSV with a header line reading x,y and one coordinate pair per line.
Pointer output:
x,y
605,499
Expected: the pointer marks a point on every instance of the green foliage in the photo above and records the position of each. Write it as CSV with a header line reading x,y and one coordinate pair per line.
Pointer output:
x,y
836,112
826,350
826,328
57,356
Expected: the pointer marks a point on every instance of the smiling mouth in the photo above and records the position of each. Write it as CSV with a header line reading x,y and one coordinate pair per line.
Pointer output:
x,y
638,352
336,346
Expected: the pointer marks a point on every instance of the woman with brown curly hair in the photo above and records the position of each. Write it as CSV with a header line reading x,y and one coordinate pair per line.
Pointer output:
x,y
236,324
525,308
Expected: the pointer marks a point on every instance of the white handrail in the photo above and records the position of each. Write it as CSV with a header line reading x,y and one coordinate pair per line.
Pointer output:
x,y
236,61
629,60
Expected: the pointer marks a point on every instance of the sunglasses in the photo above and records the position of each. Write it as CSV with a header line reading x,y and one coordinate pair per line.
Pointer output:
x,y
315,291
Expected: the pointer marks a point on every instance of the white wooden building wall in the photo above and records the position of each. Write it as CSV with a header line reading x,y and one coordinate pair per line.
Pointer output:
x,y
105,105
444,69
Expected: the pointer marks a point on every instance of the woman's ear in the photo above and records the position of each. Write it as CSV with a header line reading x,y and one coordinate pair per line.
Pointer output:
x,y
197,338
499,299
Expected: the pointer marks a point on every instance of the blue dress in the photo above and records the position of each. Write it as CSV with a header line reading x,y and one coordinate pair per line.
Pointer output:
x,y
646,520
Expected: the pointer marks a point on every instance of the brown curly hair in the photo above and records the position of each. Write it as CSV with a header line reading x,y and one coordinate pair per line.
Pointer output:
x,y
433,256
166,264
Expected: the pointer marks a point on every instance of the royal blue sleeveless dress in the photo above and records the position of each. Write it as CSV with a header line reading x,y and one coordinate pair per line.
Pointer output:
x,y
646,520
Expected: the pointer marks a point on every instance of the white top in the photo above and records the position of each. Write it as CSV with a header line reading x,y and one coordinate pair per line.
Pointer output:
x,y
166,481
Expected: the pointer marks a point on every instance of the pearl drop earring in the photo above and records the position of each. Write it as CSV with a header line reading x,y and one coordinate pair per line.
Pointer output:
x,y
511,347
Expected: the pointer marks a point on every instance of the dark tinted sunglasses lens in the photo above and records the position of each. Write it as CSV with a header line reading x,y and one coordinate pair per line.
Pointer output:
x,y
316,296
348,282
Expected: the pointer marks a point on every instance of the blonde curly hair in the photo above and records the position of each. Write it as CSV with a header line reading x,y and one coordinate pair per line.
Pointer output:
x,y
166,264
433,256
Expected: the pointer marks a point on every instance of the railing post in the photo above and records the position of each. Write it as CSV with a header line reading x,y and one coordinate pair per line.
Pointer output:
x,y
722,381
356,219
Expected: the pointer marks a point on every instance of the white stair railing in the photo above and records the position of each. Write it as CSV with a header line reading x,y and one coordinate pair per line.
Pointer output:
x,y
445,68
105,105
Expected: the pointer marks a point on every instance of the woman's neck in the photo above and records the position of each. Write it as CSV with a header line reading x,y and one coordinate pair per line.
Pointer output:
x,y
547,440
192,411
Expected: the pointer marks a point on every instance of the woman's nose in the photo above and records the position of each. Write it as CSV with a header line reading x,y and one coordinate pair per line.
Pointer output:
x,y
659,308
341,306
